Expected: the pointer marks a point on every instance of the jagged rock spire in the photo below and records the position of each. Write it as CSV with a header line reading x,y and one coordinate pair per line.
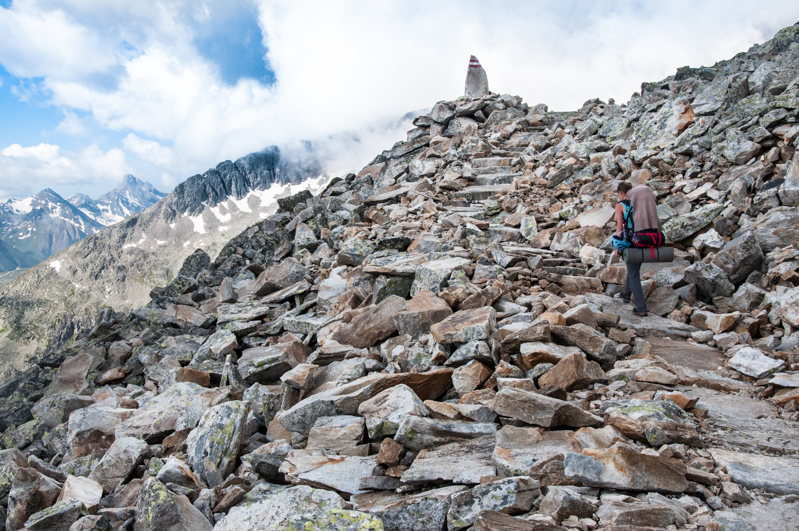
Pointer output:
x,y
476,79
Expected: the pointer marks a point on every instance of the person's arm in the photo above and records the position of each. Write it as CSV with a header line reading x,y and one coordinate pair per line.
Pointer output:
x,y
619,218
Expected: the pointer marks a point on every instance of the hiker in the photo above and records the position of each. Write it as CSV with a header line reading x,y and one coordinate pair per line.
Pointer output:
x,y
636,226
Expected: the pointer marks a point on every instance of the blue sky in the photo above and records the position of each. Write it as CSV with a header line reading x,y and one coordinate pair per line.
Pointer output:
x,y
91,90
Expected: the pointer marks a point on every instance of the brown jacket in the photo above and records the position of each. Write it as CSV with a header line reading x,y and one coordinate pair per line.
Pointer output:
x,y
643,201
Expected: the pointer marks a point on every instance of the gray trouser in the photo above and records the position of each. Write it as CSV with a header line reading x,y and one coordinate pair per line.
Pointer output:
x,y
633,286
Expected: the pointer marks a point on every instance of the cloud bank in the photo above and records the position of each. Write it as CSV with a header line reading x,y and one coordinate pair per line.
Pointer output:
x,y
140,75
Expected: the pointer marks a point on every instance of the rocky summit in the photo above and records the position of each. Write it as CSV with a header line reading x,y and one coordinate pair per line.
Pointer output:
x,y
438,341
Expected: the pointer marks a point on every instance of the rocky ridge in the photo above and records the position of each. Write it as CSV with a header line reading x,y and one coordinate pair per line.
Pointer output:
x,y
438,343
44,307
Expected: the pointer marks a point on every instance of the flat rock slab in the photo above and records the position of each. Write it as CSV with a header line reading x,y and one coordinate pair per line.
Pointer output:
x,y
332,472
464,463
650,326
623,469
774,474
685,354
518,449
416,512
745,422
776,515
345,399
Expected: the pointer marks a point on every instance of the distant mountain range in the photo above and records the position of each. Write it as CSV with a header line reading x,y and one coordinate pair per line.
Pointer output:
x,y
35,228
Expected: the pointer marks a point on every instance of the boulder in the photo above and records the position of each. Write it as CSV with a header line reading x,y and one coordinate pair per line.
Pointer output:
x,y
422,311
416,512
573,372
466,463
59,517
624,469
779,475
532,354
157,418
212,447
337,434
345,399
562,502
341,474
119,462
370,327
541,410
161,510
210,357
510,496
385,412
419,433
518,449
465,326
681,227
752,362
431,275
711,281
594,344
739,257
30,493
640,514
657,422
470,376
267,364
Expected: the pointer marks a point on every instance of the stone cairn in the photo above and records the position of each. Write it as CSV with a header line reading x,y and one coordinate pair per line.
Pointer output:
x,y
476,80
437,341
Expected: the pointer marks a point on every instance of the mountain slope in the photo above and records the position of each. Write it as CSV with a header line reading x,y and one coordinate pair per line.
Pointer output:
x,y
44,224
119,265
129,197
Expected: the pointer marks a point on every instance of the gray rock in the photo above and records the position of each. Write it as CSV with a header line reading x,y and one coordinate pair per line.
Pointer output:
x,y
774,474
541,410
473,350
624,469
267,364
562,502
518,449
160,510
431,276
212,447
681,227
423,511
752,362
210,357
30,493
710,280
593,343
747,297
386,411
59,517
158,417
354,251
739,257
510,496
337,434
119,462
462,462
739,149
637,513
344,400
338,473
419,433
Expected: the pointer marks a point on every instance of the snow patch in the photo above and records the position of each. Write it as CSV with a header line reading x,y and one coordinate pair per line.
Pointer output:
x,y
56,264
242,204
199,224
160,242
223,228
219,215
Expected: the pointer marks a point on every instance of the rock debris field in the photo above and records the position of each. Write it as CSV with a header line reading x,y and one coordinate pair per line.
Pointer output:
x,y
438,342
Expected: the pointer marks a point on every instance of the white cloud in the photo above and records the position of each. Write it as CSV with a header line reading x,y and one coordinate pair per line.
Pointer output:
x,y
148,150
29,169
345,66
71,125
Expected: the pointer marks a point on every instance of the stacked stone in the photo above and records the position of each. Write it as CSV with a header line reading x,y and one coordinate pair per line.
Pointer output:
x,y
438,342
